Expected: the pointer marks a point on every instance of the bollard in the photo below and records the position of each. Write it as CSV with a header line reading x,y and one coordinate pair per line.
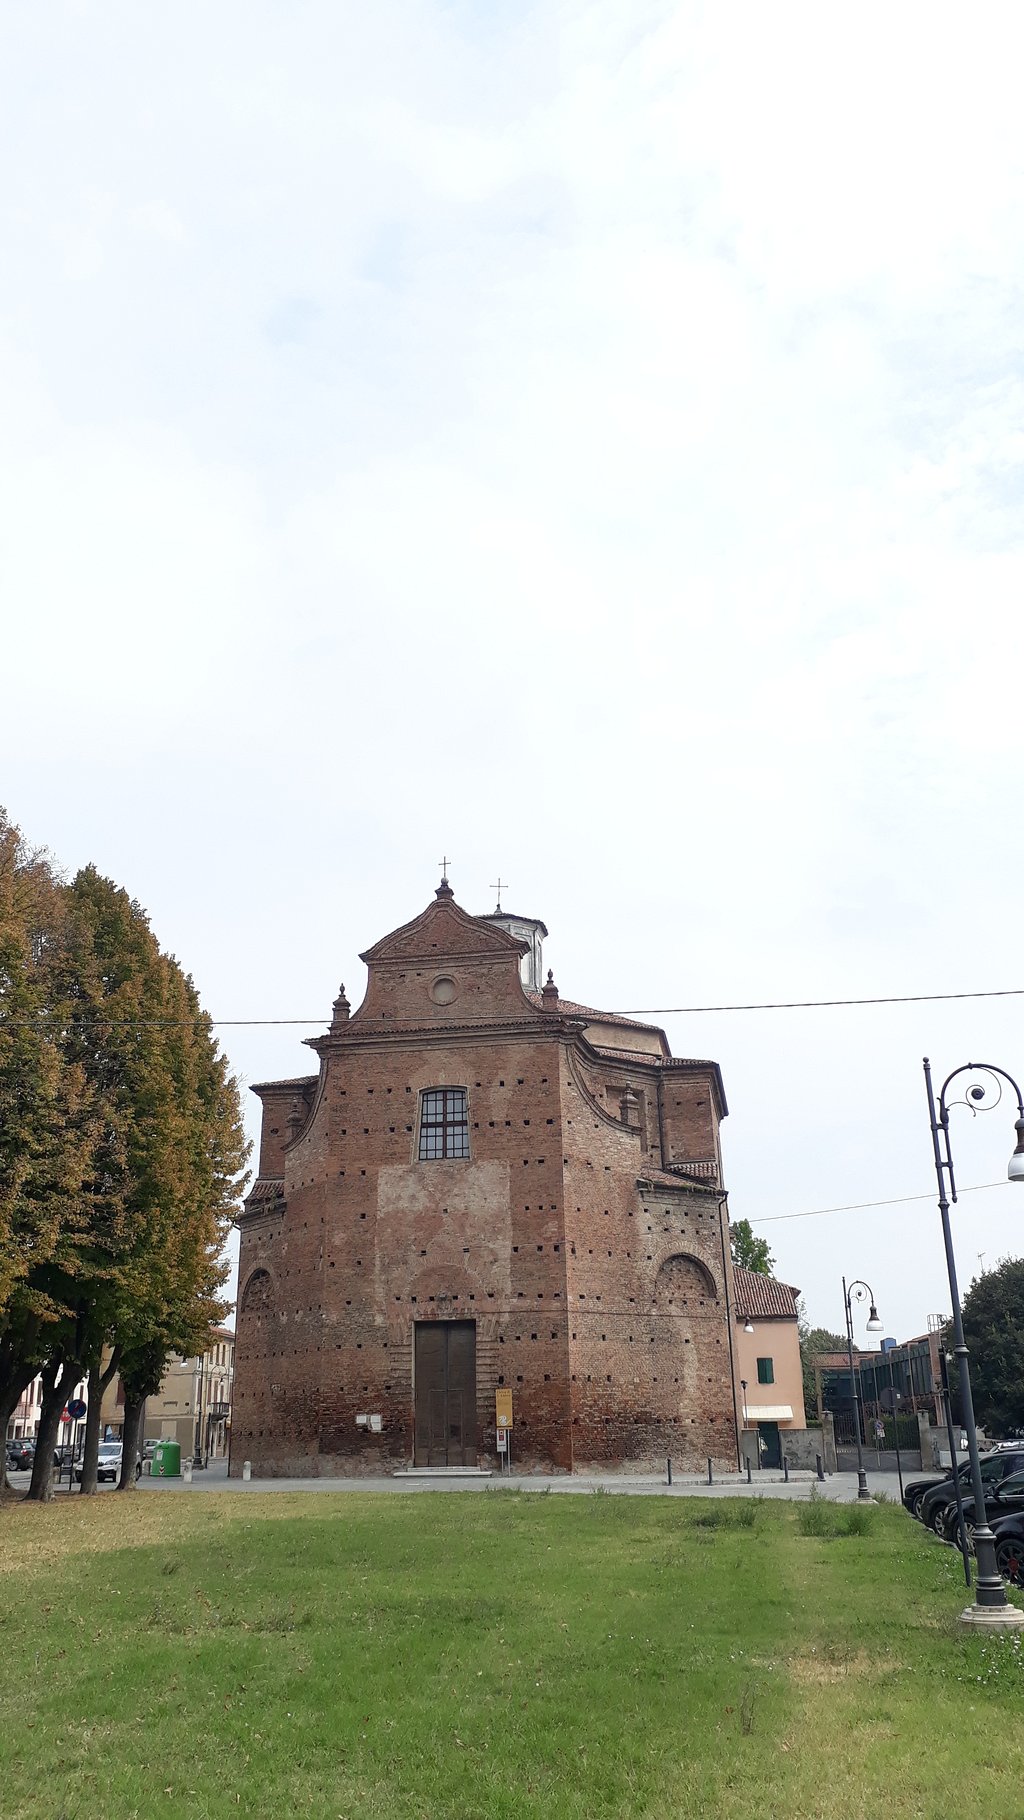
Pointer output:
x,y
710,1479
669,1471
186,1472
785,1469
820,1467
749,1479
247,1469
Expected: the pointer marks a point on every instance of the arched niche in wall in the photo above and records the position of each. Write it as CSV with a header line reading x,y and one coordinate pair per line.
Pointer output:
x,y
257,1297
684,1282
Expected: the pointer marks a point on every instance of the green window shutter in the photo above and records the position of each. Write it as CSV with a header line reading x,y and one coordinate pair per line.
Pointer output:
x,y
765,1371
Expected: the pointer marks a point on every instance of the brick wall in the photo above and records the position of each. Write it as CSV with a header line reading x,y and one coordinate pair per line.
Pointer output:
x,y
601,1305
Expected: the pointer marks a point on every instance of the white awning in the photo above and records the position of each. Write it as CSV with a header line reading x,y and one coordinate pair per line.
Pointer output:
x,y
768,1412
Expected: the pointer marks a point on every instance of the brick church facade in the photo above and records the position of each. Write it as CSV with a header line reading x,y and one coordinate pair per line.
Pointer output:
x,y
485,1187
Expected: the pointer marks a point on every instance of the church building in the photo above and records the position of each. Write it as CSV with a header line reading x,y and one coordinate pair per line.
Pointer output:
x,y
493,1218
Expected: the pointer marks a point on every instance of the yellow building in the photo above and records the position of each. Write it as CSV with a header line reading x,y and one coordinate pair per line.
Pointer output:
x,y
768,1372
193,1404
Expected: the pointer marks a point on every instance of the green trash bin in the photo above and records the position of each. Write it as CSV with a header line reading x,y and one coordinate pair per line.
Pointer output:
x,y
166,1460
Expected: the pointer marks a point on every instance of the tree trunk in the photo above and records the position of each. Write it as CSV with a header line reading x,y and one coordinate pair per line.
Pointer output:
x,y
133,1413
15,1377
98,1381
55,1389
8,1405
6,1411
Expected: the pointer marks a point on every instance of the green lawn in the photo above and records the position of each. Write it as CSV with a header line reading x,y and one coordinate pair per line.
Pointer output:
x,y
491,1655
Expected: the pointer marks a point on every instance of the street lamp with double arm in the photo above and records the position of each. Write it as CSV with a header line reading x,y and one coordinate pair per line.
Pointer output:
x,y
991,1605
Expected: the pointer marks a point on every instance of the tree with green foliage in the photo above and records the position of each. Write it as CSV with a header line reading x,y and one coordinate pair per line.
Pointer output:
x,y
993,1312
114,1064
165,1175
749,1252
814,1340
47,1122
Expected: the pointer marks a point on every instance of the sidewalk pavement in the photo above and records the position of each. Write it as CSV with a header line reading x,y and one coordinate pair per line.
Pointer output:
x,y
841,1486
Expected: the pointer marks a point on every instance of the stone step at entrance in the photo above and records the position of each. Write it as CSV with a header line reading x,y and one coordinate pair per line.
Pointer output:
x,y
442,1472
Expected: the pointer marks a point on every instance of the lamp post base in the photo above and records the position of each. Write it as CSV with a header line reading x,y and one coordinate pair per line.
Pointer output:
x,y
863,1494
992,1617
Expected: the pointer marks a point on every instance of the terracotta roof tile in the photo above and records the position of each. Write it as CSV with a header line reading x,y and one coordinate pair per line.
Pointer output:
x,y
266,1188
294,1081
571,1009
764,1298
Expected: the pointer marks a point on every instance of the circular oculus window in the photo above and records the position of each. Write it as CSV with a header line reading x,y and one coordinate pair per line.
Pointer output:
x,y
443,990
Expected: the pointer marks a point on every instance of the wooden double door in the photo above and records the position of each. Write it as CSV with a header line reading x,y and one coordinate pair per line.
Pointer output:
x,y
445,1393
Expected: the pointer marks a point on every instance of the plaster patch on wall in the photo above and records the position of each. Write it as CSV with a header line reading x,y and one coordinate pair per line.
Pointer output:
x,y
440,1208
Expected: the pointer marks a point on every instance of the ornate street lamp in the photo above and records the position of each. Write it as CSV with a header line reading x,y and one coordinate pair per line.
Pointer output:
x,y
991,1605
858,1291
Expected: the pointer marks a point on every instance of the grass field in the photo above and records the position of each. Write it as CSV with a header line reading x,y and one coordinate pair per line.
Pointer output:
x,y
492,1655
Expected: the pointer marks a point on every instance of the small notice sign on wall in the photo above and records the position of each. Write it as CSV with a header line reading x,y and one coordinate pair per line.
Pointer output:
x,y
503,1409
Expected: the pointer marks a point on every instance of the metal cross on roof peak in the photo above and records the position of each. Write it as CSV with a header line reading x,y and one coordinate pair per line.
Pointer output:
x,y
498,888
444,865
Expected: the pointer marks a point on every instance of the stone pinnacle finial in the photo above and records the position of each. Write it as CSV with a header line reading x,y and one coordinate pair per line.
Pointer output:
x,y
549,993
341,1009
296,1119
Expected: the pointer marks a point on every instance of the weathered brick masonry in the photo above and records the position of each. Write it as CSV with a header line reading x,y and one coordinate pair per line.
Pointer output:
x,y
584,1235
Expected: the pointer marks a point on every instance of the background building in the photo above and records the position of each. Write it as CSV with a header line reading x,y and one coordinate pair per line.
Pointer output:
x,y
768,1365
23,1423
900,1382
194,1400
193,1404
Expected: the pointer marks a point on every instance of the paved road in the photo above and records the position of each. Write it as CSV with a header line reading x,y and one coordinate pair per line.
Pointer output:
x,y
841,1485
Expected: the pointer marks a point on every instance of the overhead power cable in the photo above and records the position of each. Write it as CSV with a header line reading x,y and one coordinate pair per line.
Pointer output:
x,y
817,1004
796,1004
899,1200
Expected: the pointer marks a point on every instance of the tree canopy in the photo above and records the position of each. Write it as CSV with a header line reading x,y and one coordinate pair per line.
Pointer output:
x,y
993,1311
121,1140
749,1252
814,1340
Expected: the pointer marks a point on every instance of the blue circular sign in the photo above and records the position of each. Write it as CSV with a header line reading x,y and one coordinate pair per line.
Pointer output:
x,y
76,1409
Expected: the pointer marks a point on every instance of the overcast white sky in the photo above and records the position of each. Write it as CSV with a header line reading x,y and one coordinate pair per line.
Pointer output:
x,y
583,439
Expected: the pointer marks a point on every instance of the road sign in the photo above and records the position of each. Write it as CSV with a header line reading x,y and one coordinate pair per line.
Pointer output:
x,y
76,1409
503,1408
503,1440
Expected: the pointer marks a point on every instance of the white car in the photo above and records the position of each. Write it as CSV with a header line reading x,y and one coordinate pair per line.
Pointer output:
x,y
108,1465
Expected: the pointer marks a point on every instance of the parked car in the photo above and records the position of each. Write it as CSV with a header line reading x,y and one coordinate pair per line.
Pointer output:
x,y
915,1490
20,1455
1009,1535
937,1508
108,1462
1006,1499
